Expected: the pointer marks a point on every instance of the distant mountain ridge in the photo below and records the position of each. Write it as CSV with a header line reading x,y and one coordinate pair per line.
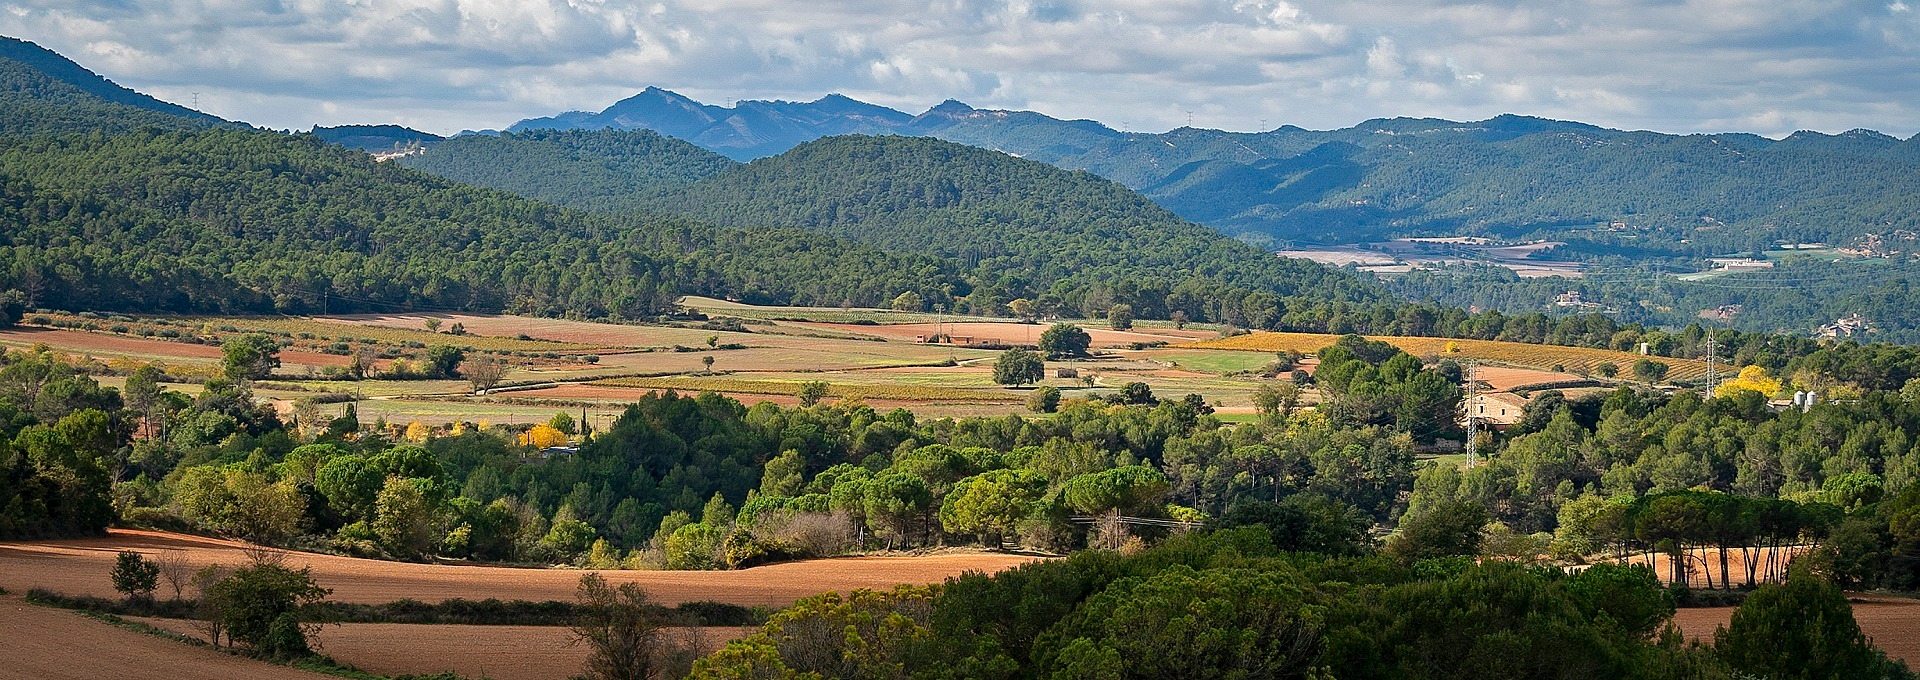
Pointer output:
x,y
1509,176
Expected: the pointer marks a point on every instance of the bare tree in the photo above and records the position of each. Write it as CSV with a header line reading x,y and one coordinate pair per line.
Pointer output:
x,y
212,609
362,365
175,570
483,372
626,640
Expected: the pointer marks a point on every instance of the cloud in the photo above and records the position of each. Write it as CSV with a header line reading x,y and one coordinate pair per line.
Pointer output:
x,y
1767,66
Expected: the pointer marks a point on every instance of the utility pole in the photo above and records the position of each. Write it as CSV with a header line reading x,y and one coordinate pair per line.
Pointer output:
x,y
1473,421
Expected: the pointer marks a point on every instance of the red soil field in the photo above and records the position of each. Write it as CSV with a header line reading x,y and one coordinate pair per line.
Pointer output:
x,y
80,566
496,652
80,341
1014,333
559,330
1507,378
51,644
83,342
1893,623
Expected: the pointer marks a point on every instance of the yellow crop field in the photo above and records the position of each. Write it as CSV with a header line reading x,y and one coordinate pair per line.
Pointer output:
x,y
837,390
1576,359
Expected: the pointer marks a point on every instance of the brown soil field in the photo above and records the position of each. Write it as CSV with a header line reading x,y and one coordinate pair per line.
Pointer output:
x,y
81,341
80,566
1736,561
104,343
51,644
1507,378
1893,623
496,652
561,330
1011,333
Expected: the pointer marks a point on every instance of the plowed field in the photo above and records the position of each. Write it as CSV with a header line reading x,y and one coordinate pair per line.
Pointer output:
x,y
1893,623
80,566
51,644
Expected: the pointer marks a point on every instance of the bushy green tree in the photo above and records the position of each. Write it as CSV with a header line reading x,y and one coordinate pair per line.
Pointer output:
x,y
991,503
249,357
1446,529
1018,367
1065,341
263,607
1803,628
134,575
1045,399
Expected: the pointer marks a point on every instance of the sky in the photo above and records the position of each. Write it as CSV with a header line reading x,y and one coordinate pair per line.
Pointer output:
x,y
1762,66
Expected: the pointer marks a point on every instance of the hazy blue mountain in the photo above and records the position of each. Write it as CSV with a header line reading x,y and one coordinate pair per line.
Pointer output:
x,y
1610,191
41,91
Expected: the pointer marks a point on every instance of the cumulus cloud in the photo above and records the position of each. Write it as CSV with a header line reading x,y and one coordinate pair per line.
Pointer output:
x,y
1767,66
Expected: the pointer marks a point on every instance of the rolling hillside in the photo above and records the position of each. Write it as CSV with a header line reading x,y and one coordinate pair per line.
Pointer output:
x,y
41,91
1611,191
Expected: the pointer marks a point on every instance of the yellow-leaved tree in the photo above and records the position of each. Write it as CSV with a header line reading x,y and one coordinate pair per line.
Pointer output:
x,y
543,436
418,431
1751,379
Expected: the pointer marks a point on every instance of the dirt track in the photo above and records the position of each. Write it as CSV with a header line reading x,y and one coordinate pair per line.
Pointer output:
x,y
80,566
50,644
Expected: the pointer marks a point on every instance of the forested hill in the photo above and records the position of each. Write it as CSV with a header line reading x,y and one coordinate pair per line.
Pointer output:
x,y
375,138
1021,229
1006,218
41,91
601,169
255,221
1509,176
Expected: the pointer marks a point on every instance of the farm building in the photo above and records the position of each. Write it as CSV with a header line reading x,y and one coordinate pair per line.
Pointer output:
x,y
1500,409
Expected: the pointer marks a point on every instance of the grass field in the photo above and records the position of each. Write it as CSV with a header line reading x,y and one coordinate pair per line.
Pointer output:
x,y
1576,359
1219,362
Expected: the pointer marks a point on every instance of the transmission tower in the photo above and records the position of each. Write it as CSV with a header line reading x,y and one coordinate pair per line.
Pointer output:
x,y
1473,421
1713,366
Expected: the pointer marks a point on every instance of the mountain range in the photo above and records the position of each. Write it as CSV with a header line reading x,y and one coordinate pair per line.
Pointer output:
x,y
116,201
1608,191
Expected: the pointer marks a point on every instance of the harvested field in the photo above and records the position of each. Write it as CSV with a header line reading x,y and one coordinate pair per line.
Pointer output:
x,y
1011,333
104,343
52,644
496,652
404,329
1505,378
578,333
1893,623
80,566
714,307
1579,359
